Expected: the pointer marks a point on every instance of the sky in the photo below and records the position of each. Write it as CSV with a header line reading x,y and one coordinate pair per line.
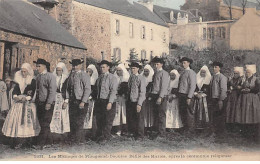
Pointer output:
x,y
175,4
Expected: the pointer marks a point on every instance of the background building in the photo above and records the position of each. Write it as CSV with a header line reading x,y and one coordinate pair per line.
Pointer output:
x,y
28,33
111,28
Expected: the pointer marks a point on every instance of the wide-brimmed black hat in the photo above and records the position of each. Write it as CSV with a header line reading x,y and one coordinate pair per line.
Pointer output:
x,y
186,59
41,61
105,62
76,62
157,60
134,64
216,63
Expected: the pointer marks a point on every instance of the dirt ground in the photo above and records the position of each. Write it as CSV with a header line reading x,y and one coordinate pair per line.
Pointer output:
x,y
173,147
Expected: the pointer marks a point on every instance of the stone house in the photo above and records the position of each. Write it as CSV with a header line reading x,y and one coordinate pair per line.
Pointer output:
x,y
28,33
242,34
213,10
111,28
245,33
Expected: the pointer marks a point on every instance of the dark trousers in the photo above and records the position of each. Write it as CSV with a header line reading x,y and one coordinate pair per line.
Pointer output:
x,y
135,121
217,117
45,117
77,117
159,115
186,114
104,118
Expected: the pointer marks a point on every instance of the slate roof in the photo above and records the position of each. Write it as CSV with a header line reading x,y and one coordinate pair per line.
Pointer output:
x,y
24,18
164,13
237,3
123,7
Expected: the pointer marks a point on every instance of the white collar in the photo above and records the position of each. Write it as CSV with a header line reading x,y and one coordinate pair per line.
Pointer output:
x,y
217,73
187,68
44,72
159,69
105,73
136,74
78,71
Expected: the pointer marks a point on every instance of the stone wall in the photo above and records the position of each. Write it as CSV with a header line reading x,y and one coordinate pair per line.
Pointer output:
x,y
91,26
31,49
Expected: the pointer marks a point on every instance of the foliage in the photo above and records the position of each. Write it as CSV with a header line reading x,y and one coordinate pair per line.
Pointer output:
x,y
230,59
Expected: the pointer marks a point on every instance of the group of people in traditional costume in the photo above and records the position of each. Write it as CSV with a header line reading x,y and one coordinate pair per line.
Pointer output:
x,y
143,100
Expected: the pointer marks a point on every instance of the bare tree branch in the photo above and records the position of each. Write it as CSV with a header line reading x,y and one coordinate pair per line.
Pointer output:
x,y
229,3
243,4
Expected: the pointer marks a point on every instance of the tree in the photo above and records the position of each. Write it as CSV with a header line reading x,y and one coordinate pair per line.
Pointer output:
x,y
229,3
133,56
258,2
243,4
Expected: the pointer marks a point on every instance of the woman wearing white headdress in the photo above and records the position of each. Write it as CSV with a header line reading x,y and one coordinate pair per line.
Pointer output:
x,y
122,76
60,122
173,119
200,108
148,113
234,88
93,73
22,121
248,106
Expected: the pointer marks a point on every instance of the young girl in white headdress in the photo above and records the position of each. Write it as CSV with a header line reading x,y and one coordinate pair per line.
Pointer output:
x,y
22,121
234,88
122,76
201,111
60,123
173,119
93,73
148,113
248,104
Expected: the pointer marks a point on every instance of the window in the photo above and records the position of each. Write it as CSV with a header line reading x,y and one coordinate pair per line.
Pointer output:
x,y
131,30
143,54
117,27
211,33
164,37
151,55
219,34
223,32
103,57
102,29
143,32
116,55
164,54
151,34
204,33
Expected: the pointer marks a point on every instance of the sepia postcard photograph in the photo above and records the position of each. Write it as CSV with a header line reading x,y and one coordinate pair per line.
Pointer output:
x,y
129,80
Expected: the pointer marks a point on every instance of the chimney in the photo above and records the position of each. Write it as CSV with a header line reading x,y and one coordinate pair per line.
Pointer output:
x,y
182,20
147,3
65,12
172,16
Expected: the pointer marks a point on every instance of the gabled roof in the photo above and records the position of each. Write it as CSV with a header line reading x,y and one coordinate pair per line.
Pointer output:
x,y
123,7
164,13
237,3
24,18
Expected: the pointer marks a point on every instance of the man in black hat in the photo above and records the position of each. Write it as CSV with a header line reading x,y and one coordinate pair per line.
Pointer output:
x,y
45,99
159,92
187,86
136,97
78,89
218,93
104,110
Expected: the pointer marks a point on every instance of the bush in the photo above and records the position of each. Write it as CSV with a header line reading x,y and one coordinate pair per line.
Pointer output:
x,y
229,58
